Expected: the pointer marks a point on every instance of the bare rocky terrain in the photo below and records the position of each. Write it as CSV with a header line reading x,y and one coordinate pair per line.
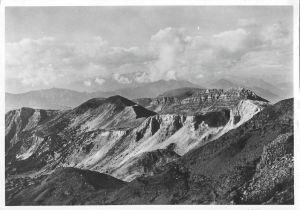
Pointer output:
x,y
186,146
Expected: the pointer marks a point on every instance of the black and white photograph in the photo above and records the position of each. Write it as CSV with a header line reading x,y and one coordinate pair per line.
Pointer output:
x,y
122,104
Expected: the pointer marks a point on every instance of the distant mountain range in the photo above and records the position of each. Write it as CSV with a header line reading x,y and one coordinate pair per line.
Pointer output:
x,y
259,86
58,98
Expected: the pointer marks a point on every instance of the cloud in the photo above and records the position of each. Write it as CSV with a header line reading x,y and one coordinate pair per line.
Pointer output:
x,y
87,83
200,76
142,77
121,79
171,75
171,53
167,44
276,35
243,22
32,61
99,81
232,41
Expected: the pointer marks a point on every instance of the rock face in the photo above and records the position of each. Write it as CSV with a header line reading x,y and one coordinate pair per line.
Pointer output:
x,y
120,138
194,100
273,179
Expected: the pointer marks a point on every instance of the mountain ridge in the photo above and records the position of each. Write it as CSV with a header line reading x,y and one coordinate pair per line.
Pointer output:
x,y
104,134
48,98
250,164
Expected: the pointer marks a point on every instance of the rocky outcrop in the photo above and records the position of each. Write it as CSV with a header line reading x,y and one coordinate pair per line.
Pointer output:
x,y
274,176
190,101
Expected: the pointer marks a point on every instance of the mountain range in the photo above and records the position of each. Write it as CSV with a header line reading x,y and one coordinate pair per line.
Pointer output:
x,y
58,98
268,91
183,146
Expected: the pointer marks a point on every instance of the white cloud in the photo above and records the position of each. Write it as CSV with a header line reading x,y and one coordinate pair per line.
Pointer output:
x,y
142,78
168,44
29,60
99,81
121,79
171,75
87,83
232,40
277,35
171,53
200,76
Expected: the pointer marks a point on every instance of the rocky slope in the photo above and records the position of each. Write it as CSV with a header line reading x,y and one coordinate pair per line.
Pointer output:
x,y
33,142
112,135
250,164
66,186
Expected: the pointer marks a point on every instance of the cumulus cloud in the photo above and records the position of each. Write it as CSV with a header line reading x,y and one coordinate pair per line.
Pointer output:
x,y
48,61
142,77
167,44
200,76
99,81
276,35
87,83
121,79
232,40
171,53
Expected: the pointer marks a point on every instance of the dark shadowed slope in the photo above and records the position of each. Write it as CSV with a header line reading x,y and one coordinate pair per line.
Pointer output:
x,y
66,186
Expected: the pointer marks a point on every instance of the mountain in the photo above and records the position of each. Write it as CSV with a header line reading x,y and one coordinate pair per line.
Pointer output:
x,y
130,81
259,86
223,84
153,89
57,98
251,163
54,98
286,88
117,136
190,101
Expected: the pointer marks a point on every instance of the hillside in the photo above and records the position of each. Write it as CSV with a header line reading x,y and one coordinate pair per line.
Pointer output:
x,y
251,164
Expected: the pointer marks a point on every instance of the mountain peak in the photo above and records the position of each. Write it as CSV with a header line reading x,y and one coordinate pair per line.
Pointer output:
x,y
246,93
94,103
117,99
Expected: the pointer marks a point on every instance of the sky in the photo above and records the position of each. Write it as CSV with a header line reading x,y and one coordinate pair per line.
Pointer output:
x,y
64,46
